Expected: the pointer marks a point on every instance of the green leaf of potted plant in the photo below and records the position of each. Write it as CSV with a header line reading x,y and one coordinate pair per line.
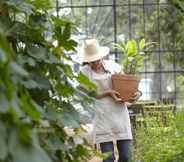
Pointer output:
x,y
133,57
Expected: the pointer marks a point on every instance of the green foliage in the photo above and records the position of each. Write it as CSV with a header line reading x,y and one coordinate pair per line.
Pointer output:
x,y
37,94
159,142
133,54
178,4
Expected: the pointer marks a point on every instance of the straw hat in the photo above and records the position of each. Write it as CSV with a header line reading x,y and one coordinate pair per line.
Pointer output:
x,y
92,51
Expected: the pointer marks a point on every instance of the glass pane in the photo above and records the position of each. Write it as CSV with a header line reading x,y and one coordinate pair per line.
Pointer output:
x,y
137,22
99,2
77,15
179,61
166,27
146,2
166,61
101,27
168,86
136,1
126,2
151,24
122,23
156,85
121,2
151,64
84,2
90,24
71,3
155,1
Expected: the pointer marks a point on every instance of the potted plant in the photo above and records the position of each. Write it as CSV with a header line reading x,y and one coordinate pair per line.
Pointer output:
x,y
133,57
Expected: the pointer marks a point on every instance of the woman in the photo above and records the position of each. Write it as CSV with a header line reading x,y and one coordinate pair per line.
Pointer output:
x,y
111,120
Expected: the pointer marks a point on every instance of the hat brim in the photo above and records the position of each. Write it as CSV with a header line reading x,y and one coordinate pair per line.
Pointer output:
x,y
102,52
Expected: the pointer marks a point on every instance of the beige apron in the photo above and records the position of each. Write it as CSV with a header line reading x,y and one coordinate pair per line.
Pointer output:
x,y
111,121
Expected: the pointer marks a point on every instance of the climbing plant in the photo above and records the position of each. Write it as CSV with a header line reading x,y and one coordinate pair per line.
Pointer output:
x,y
37,90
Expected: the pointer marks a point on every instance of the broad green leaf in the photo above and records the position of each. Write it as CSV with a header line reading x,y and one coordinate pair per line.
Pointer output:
x,y
59,22
120,46
65,90
67,32
70,120
68,45
22,59
71,44
41,81
132,47
22,153
51,113
24,134
55,143
25,33
37,21
31,61
39,53
84,80
70,116
4,103
30,84
21,5
18,69
5,25
67,70
5,47
15,104
53,59
142,44
41,4
140,58
3,57
30,109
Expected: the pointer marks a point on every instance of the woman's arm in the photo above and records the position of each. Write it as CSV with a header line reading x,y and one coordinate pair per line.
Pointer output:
x,y
112,93
100,96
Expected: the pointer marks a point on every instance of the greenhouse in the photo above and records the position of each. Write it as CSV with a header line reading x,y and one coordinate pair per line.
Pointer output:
x,y
92,80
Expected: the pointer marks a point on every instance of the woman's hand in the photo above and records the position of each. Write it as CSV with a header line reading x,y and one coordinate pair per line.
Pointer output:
x,y
112,93
115,95
135,96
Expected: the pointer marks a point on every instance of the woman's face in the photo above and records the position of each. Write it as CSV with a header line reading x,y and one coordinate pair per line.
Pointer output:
x,y
96,64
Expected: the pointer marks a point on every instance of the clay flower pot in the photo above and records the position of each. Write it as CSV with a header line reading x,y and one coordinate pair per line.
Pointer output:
x,y
126,85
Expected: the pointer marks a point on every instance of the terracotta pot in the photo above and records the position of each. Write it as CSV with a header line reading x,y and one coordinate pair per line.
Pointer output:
x,y
126,85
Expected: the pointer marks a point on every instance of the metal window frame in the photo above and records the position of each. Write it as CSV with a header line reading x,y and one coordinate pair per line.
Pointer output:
x,y
159,51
